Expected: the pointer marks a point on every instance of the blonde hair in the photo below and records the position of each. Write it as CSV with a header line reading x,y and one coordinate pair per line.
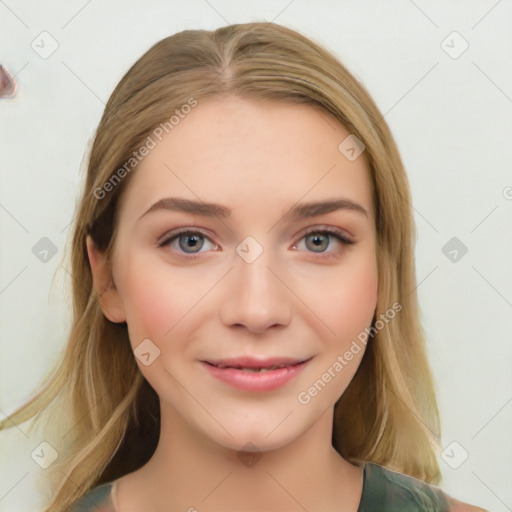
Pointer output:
x,y
388,414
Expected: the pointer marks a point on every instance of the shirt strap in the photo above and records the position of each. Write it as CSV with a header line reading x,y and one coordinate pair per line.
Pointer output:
x,y
113,496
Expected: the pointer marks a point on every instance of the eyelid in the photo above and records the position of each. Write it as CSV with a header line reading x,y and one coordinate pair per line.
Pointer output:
x,y
339,234
333,230
173,233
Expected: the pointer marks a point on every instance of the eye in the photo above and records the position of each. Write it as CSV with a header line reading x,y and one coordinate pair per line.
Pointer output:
x,y
318,239
191,242
186,239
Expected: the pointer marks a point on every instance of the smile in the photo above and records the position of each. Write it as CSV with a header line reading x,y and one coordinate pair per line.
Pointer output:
x,y
255,375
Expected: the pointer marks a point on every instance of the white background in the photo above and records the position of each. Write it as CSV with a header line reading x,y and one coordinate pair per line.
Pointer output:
x,y
452,119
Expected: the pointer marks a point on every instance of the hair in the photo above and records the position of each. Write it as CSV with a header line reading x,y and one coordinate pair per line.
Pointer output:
x,y
107,414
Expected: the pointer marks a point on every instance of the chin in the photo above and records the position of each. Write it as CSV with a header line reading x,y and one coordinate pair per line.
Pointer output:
x,y
255,439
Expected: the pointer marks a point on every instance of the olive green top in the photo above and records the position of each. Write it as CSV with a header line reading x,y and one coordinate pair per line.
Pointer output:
x,y
384,490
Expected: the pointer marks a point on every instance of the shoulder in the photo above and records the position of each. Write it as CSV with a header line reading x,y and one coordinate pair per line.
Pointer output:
x,y
97,498
390,490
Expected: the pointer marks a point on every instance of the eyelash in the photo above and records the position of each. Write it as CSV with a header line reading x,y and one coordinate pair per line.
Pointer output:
x,y
334,232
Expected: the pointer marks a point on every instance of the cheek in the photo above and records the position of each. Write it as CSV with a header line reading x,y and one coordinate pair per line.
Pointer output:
x,y
349,301
348,306
154,304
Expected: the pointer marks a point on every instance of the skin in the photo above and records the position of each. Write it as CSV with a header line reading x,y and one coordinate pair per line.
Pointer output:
x,y
259,159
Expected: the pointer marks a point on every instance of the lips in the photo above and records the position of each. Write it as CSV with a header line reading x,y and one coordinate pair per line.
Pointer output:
x,y
256,365
256,374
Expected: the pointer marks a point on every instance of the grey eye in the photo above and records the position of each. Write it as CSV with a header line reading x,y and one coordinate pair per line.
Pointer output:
x,y
192,241
318,241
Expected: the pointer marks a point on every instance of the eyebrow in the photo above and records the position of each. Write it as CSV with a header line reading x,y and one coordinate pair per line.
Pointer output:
x,y
300,211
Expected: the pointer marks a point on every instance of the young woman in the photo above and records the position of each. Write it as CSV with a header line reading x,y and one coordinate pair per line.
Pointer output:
x,y
246,331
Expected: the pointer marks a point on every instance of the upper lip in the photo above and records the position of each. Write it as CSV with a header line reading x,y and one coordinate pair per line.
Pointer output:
x,y
251,362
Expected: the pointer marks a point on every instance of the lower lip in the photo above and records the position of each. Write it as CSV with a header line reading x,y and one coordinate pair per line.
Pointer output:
x,y
256,381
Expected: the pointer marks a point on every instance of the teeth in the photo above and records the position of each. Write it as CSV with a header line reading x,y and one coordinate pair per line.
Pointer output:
x,y
261,370
254,370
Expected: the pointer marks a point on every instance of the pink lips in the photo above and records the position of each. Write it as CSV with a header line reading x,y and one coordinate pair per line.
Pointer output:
x,y
277,372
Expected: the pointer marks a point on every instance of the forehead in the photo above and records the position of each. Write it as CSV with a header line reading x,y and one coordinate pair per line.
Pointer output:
x,y
248,154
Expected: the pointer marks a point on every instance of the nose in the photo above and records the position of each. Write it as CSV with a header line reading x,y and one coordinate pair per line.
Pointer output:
x,y
256,296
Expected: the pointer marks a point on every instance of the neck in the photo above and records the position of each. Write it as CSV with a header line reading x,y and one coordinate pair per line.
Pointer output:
x,y
189,472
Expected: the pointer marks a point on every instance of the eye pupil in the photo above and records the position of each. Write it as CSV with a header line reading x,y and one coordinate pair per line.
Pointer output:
x,y
194,239
191,242
317,240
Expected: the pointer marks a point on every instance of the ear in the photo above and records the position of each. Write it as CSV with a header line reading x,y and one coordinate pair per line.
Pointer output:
x,y
106,291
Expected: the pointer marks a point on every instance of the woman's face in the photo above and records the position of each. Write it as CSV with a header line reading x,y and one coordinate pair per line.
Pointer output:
x,y
256,278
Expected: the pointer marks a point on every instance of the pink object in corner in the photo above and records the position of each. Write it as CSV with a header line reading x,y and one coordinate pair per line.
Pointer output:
x,y
8,86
